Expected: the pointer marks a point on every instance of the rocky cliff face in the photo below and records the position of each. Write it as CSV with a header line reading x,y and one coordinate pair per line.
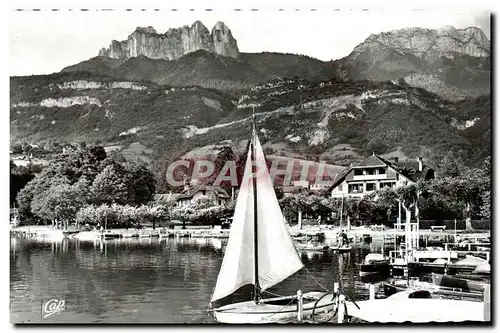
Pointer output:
x,y
428,44
453,63
175,43
224,43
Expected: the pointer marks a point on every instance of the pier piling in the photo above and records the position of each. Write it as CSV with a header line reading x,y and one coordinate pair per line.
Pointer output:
x,y
341,309
299,306
372,291
487,303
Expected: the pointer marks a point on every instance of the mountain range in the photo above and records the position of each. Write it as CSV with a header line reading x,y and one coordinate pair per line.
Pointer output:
x,y
157,96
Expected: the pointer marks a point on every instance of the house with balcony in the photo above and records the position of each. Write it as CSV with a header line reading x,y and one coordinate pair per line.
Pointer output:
x,y
375,173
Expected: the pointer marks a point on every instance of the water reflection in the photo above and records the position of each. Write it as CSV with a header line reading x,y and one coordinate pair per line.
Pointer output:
x,y
145,280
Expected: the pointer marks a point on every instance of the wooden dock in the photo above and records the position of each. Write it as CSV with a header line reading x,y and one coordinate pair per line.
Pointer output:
x,y
122,233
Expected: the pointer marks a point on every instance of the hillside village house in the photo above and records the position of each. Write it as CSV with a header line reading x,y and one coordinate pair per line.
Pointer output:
x,y
215,194
321,186
375,173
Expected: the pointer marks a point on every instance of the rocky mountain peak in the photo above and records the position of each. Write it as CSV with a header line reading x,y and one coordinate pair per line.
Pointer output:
x,y
174,43
429,44
224,43
146,30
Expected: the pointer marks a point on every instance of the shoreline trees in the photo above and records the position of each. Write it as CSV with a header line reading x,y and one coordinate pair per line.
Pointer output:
x,y
82,178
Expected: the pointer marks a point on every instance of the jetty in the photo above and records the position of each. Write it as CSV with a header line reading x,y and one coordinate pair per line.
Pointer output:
x,y
49,232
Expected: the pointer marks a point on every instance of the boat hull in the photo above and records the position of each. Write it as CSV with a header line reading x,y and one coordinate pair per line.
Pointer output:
x,y
272,310
381,268
341,249
312,248
454,282
416,310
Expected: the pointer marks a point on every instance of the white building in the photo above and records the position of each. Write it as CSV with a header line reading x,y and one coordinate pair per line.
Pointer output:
x,y
321,186
376,173
215,194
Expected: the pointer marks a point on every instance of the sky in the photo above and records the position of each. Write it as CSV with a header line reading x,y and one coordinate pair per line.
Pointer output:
x,y
46,41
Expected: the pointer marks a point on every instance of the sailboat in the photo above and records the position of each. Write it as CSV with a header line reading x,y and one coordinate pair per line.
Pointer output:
x,y
260,252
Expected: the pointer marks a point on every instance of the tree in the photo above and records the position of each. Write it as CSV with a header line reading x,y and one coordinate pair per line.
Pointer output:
x,y
59,202
37,186
19,177
17,148
377,147
365,211
486,188
351,206
465,191
449,166
141,183
88,172
225,155
386,199
111,186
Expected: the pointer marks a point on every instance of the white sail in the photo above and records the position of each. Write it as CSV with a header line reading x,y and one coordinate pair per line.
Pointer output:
x,y
277,256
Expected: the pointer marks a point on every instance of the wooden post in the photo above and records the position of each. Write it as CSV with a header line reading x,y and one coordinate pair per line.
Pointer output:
x,y
341,309
399,218
487,303
372,291
455,230
300,219
299,306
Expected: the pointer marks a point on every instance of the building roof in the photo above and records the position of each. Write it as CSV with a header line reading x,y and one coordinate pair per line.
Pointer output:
x,y
408,169
292,189
166,197
219,192
372,161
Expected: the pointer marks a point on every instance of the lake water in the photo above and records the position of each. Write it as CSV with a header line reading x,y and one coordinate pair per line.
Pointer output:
x,y
145,280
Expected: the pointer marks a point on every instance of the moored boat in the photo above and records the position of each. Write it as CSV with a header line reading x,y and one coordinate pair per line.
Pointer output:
x,y
88,235
416,306
311,247
272,310
374,263
455,282
341,249
483,268
393,286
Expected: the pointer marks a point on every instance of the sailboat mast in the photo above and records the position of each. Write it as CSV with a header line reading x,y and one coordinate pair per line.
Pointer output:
x,y
256,292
